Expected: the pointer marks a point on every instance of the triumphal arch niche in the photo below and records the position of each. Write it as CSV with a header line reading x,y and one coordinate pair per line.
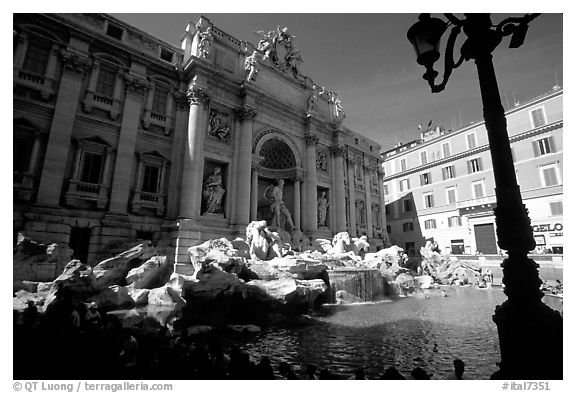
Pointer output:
x,y
275,161
262,141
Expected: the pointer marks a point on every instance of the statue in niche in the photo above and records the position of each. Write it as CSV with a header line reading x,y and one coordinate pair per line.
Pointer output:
x,y
205,42
280,214
213,191
322,209
217,128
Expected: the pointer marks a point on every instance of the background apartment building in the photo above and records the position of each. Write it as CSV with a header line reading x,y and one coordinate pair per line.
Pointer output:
x,y
442,186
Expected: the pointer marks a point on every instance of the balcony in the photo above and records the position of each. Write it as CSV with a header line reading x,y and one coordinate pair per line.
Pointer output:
x,y
476,205
99,101
143,201
81,194
158,119
41,83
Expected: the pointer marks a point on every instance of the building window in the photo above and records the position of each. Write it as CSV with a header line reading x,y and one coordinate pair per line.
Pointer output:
x,y
544,146
478,189
430,224
423,158
385,189
451,195
145,235
404,185
388,229
475,165
403,165
91,173
22,148
91,165
387,210
160,99
471,140
106,81
114,32
549,175
448,172
408,227
454,221
428,200
538,119
556,208
407,203
37,57
457,246
361,212
446,149
166,55
356,141
377,216
425,178
150,178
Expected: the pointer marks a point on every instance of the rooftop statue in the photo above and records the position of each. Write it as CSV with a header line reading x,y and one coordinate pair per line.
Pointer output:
x,y
205,42
272,41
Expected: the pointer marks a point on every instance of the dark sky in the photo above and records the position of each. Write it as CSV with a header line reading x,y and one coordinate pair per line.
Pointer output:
x,y
368,61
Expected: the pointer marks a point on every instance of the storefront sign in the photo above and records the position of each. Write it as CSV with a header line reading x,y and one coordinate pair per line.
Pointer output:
x,y
557,227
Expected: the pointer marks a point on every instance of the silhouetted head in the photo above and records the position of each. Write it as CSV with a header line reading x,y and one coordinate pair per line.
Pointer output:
x,y
310,369
359,374
459,368
419,373
391,373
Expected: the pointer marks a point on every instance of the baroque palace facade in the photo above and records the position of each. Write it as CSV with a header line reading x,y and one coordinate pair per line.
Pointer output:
x,y
121,136
441,187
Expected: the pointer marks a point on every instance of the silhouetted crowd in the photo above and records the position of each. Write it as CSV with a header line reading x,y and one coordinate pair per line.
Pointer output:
x,y
75,341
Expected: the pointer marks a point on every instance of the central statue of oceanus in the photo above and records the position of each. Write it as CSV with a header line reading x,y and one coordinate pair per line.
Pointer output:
x,y
281,217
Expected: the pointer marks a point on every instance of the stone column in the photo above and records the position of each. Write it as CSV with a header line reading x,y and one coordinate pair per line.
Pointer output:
x,y
351,195
122,180
176,156
369,223
34,156
297,199
191,195
254,190
339,200
310,183
380,172
52,179
246,115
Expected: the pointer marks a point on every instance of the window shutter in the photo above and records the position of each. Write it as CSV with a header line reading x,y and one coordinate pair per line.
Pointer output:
x,y
407,184
536,147
422,179
431,200
469,164
430,177
453,171
479,163
401,188
444,173
552,145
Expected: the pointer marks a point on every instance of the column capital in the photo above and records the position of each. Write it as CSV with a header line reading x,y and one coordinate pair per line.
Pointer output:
x,y
338,150
74,62
181,100
311,140
256,160
245,112
135,84
299,175
197,95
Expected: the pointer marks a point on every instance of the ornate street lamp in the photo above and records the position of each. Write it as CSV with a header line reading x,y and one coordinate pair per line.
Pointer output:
x,y
530,332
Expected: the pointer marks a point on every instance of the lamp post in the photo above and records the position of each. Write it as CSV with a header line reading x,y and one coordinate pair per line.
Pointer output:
x,y
530,333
